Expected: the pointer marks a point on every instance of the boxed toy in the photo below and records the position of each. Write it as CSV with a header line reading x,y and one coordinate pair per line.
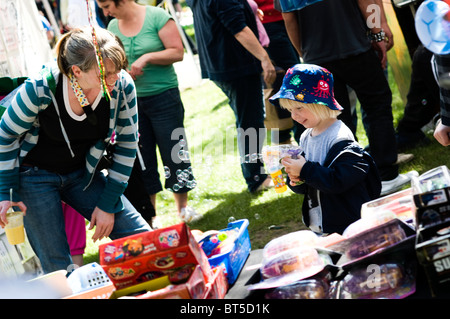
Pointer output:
x,y
193,288
170,251
374,241
217,289
383,278
433,253
400,204
432,197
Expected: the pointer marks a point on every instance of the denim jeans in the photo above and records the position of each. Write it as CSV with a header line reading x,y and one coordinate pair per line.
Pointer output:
x,y
364,74
42,192
161,125
245,96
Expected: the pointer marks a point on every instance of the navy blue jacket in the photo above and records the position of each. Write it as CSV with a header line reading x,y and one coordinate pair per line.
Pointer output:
x,y
222,57
348,179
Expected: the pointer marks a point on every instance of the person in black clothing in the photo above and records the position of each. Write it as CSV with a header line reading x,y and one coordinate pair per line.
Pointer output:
x,y
232,57
422,104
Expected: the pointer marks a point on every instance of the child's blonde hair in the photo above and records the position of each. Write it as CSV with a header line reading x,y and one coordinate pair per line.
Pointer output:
x,y
323,112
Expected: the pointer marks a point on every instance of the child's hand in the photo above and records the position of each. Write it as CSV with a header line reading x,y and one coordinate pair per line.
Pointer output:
x,y
293,167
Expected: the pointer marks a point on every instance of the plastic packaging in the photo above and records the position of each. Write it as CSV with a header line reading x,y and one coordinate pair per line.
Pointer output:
x,y
400,203
293,260
87,277
434,179
369,222
378,238
303,289
292,240
388,280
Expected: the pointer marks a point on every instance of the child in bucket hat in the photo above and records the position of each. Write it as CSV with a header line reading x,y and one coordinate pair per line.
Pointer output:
x,y
334,172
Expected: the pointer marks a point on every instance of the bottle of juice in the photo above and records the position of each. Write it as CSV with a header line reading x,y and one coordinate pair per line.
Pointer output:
x,y
278,180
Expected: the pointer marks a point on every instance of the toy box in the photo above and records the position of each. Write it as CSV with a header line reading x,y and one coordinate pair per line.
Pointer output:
x,y
233,260
193,288
400,204
432,197
170,251
217,289
374,241
433,253
382,278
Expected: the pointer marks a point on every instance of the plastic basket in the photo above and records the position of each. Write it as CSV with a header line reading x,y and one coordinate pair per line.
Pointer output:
x,y
234,259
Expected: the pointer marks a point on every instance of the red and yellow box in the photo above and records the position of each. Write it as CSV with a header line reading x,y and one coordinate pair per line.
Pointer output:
x,y
194,288
170,251
217,289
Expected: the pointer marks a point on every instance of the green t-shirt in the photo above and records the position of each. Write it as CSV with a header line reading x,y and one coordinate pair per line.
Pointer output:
x,y
156,78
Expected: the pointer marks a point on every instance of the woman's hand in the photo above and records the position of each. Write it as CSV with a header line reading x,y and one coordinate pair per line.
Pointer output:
x,y
137,67
103,222
4,207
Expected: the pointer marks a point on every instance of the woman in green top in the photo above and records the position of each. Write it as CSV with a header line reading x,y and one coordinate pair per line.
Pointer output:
x,y
152,44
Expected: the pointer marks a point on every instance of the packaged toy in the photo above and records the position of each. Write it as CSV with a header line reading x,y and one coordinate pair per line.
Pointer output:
x,y
303,289
296,239
170,251
400,204
387,280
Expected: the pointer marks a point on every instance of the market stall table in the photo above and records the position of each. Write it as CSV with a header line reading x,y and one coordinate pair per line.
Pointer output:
x,y
250,274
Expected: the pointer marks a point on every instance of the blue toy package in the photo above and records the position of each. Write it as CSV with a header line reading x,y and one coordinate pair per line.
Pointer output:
x,y
236,253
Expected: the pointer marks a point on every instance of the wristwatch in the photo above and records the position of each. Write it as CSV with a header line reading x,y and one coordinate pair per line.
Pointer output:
x,y
377,37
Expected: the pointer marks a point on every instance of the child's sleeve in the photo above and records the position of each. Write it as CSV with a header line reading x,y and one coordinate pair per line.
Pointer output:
x,y
347,170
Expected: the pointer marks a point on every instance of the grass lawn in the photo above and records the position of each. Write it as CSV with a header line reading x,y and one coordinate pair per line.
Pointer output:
x,y
221,192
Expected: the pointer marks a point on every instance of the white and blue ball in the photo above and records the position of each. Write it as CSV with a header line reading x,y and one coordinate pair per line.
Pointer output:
x,y
431,27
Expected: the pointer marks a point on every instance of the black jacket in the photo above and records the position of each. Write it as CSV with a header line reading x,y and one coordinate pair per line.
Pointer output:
x,y
348,179
222,57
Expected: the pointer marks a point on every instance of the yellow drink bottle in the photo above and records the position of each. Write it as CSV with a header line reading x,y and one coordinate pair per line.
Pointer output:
x,y
14,229
278,180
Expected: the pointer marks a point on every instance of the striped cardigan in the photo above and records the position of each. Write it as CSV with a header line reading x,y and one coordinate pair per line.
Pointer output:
x,y
19,133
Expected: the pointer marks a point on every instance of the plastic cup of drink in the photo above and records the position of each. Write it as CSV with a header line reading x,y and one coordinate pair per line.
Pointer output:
x,y
14,229
278,180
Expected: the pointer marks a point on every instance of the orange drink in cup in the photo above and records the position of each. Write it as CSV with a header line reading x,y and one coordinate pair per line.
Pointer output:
x,y
14,230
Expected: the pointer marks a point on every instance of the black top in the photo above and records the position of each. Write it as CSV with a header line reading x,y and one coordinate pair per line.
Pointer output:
x,y
51,151
222,57
331,30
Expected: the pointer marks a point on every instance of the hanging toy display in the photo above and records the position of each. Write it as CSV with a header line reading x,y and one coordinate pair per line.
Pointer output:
x,y
432,23
101,66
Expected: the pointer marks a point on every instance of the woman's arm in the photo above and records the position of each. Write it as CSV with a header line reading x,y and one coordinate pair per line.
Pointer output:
x,y
173,50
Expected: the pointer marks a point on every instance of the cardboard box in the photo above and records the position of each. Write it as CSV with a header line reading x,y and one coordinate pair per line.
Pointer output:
x,y
217,289
194,288
432,200
433,253
401,204
432,207
170,251
104,292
